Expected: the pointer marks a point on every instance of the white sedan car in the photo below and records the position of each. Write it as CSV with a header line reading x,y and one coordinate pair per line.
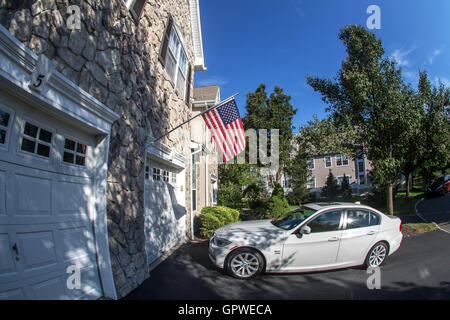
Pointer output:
x,y
314,237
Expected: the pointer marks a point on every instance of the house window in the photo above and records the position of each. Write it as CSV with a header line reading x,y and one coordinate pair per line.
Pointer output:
x,y
36,140
311,164
166,176
4,125
311,183
137,8
156,174
327,162
74,152
341,160
361,166
176,64
174,178
173,57
340,179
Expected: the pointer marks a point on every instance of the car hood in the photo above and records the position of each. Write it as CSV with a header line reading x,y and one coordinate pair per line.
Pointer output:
x,y
249,227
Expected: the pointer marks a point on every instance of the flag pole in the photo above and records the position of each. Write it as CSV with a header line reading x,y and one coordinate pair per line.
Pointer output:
x,y
198,115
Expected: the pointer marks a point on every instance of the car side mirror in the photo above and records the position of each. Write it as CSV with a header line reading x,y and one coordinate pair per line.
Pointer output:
x,y
305,230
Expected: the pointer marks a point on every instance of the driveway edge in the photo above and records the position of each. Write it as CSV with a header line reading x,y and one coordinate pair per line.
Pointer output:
x,y
424,220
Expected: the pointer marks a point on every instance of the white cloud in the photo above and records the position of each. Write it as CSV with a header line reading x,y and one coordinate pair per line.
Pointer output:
x,y
444,81
433,55
401,56
412,76
214,80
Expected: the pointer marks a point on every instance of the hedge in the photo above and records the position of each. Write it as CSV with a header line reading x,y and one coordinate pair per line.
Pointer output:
x,y
212,218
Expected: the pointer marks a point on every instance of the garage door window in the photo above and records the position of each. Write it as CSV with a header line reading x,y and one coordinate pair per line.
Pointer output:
x,y
156,174
36,140
166,176
4,125
74,152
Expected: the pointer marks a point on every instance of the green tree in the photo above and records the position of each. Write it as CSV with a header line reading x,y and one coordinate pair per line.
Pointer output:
x,y
369,93
435,129
299,172
331,189
233,179
277,204
346,191
272,112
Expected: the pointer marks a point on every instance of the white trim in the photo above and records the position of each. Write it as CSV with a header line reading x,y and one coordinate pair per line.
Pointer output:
x,y
196,27
65,101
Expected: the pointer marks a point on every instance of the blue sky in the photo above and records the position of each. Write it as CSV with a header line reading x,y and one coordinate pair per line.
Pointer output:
x,y
249,42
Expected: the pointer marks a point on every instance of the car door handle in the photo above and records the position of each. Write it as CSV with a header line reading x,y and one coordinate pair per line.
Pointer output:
x,y
371,233
333,239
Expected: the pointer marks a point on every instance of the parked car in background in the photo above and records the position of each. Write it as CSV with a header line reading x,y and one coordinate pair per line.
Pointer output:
x,y
440,185
314,237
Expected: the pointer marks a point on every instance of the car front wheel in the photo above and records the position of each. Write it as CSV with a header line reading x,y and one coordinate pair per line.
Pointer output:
x,y
244,263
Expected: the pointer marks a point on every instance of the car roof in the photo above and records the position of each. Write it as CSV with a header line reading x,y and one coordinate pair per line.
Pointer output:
x,y
327,205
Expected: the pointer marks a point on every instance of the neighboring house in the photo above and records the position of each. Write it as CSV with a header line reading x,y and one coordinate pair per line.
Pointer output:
x,y
357,171
204,152
83,188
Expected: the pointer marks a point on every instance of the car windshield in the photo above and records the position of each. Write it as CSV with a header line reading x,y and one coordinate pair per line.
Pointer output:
x,y
293,218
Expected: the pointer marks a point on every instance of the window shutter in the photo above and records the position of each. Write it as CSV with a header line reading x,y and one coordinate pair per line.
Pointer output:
x,y
188,87
137,8
165,42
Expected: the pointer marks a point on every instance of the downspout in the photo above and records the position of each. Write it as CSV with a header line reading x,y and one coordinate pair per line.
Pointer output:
x,y
192,212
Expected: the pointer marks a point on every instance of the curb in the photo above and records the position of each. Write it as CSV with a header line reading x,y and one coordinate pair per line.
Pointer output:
x,y
423,219
417,212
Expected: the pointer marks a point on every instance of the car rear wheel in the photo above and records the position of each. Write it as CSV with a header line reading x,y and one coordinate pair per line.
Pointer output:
x,y
244,263
377,255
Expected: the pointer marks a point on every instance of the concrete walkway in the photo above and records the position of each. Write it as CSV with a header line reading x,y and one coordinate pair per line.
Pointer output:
x,y
436,209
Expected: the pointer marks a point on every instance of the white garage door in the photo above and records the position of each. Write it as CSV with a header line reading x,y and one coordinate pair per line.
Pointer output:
x,y
45,207
165,214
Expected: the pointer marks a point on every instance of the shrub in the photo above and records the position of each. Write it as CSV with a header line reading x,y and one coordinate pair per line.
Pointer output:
x,y
278,191
212,218
276,207
255,195
230,195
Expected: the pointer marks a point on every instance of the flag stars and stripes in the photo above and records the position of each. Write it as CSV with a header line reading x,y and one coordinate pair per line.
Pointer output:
x,y
226,127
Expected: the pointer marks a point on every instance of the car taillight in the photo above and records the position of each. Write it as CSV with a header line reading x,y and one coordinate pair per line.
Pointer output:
x,y
401,226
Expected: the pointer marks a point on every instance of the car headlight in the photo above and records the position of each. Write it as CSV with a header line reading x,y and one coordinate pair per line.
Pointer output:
x,y
220,242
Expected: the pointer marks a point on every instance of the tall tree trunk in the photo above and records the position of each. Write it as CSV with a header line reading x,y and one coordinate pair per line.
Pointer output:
x,y
390,198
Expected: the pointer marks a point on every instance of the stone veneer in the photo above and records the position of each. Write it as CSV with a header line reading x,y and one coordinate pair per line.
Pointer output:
x,y
116,61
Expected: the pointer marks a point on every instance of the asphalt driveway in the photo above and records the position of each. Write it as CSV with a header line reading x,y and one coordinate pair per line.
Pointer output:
x,y
420,269
436,209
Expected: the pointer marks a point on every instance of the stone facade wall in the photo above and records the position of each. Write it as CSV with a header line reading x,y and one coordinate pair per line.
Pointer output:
x,y
115,59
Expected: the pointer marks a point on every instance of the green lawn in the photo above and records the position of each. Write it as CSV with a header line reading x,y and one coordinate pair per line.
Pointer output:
x,y
403,204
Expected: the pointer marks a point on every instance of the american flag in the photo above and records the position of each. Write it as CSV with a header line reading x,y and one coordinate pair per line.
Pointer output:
x,y
225,125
